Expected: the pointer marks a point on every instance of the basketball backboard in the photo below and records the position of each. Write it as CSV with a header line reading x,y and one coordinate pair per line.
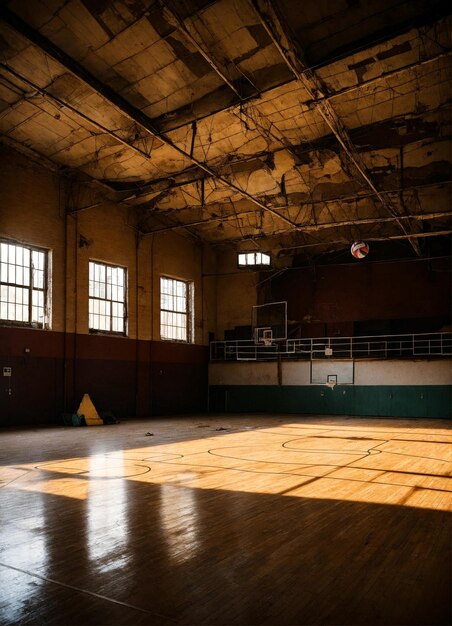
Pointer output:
x,y
269,321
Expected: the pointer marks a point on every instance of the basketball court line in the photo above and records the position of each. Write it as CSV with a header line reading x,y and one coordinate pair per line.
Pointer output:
x,y
99,596
358,427
288,473
176,459
89,472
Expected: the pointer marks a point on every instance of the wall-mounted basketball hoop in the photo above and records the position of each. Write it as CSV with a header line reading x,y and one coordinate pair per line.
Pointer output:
x,y
331,380
269,323
263,336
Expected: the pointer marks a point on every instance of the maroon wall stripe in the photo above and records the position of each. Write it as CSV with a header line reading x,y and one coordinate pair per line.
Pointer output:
x,y
165,379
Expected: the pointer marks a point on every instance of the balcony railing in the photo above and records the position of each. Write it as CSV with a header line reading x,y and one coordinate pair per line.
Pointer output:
x,y
371,347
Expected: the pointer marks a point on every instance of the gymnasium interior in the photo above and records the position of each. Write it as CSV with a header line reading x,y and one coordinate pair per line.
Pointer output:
x,y
225,312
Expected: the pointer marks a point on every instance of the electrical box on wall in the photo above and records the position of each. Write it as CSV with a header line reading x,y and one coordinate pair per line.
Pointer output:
x,y
6,371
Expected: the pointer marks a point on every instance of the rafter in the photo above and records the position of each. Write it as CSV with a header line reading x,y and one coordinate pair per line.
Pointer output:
x,y
346,198
192,174
175,121
343,242
308,227
66,105
294,58
118,102
43,161
187,177
187,30
434,233
200,170
325,225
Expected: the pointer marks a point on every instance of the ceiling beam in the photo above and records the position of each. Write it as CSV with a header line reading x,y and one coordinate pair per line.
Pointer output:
x,y
308,227
31,153
43,161
175,123
191,175
374,220
187,31
384,76
347,198
294,58
65,105
343,241
325,225
181,179
436,233
119,103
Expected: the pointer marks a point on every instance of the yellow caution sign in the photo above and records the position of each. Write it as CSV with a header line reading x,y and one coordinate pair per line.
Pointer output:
x,y
88,409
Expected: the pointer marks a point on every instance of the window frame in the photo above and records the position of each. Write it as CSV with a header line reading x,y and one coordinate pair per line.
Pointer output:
x,y
97,331
254,265
189,310
45,289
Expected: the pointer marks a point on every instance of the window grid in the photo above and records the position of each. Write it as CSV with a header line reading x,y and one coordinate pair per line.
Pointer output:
x,y
175,303
23,284
107,298
246,259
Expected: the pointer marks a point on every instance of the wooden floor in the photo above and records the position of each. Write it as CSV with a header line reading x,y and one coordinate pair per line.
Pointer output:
x,y
232,520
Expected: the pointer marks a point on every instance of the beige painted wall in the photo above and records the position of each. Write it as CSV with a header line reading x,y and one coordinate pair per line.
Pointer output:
x,y
322,368
32,202
245,373
437,372
296,373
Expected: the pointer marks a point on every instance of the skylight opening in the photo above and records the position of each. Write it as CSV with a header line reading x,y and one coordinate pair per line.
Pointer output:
x,y
253,259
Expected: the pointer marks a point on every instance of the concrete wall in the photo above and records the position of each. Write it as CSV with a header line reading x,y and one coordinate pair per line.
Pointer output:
x,y
296,373
243,373
420,388
419,372
136,374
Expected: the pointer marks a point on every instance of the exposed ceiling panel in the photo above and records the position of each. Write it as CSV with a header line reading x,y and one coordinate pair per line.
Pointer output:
x,y
299,127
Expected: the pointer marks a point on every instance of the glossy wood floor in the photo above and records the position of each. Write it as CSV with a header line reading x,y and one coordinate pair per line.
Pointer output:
x,y
232,520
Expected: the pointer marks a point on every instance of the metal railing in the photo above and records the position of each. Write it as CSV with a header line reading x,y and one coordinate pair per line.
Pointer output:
x,y
373,347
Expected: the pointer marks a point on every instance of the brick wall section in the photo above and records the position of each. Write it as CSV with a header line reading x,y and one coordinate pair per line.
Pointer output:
x,y
368,291
336,300
130,375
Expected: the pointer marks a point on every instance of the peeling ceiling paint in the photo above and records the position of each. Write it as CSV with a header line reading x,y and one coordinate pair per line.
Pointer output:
x,y
218,135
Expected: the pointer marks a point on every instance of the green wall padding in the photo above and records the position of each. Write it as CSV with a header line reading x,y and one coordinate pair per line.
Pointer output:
x,y
385,400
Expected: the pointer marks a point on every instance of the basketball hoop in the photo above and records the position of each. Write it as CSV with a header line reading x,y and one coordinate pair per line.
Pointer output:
x,y
267,337
269,317
263,336
331,381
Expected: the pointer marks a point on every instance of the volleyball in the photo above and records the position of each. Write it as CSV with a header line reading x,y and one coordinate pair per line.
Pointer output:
x,y
359,249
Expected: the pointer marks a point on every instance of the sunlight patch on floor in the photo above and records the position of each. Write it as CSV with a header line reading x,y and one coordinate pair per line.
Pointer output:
x,y
383,464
